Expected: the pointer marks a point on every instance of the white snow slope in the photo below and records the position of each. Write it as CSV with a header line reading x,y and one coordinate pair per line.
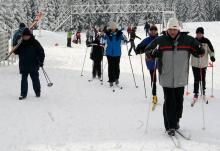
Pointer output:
x,y
75,115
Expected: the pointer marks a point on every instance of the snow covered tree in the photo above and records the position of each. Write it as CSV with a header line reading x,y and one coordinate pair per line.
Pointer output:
x,y
2,19
27,12
214,8
18,16
182,10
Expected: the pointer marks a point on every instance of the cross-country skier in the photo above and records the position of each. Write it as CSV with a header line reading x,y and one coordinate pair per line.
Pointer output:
x,y
199,65
132,38
146,28
18,34
173,53
78,37
129,30
113,39
69,37
97,56
150,62
31,57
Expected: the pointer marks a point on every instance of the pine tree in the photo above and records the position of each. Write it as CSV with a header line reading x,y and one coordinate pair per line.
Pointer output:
x,y
18,16
182,10
214,8
27,12
2,19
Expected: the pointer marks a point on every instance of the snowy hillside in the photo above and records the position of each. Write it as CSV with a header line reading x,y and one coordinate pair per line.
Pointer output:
x,y
77,115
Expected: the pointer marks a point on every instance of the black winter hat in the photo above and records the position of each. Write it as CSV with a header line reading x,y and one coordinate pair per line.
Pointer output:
x,y
27,32
153,27
22,25
200,30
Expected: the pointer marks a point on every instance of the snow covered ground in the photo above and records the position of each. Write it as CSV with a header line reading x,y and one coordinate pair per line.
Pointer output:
x,y
75,115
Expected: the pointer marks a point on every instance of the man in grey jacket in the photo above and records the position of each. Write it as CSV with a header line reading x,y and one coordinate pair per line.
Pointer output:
x,y
173,51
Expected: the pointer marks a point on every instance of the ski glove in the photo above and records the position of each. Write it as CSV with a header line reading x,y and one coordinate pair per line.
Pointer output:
x,y
126,41
212,59
139,49
156,54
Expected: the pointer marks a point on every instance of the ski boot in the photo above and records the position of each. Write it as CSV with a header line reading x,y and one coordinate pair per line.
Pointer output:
x,y
154,102
22,97
37,95
154,99
177,126
111,84
195,97
171,132
116,82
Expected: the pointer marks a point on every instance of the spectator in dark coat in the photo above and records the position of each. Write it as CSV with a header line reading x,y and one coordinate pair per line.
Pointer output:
x,y
31,57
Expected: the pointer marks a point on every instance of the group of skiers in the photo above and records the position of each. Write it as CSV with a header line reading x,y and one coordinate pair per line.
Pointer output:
x,y
110,40
169,54
71,37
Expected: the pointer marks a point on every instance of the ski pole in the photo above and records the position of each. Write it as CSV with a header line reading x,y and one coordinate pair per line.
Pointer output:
x,y
132,69
102,79
142,67
187,87
49,83
105,65
84,60
187,90
149,109
212,95
153,83
148,119
201,89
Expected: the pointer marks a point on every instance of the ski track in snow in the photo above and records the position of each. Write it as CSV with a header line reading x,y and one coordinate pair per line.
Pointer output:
x,y
81,116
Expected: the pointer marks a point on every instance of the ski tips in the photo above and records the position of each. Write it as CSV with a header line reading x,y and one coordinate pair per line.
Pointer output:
x,y
50,84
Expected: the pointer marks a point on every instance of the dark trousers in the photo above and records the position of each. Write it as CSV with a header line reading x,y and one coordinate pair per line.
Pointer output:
x,y
113,68
68,42
199,76
78,40
147,32
129,35
173,106
132,46
153,75
24,83
96,68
